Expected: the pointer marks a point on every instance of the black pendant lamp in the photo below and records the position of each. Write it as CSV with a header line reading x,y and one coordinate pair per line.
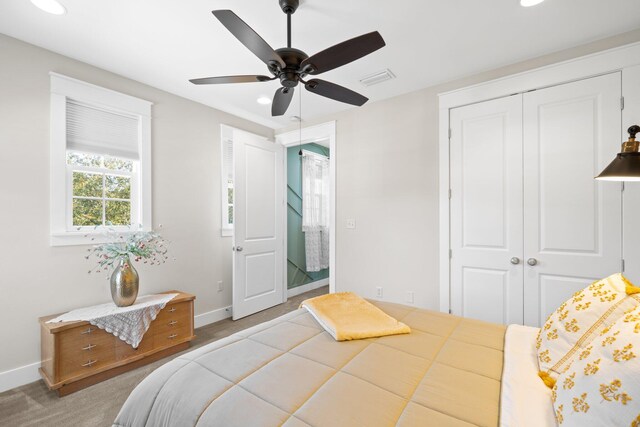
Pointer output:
x,y
626,165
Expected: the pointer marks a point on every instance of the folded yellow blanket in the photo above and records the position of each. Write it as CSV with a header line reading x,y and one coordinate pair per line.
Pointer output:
x,y
346,316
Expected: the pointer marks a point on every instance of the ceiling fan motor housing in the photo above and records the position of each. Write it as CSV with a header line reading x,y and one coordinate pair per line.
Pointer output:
x,y
289,6
292,57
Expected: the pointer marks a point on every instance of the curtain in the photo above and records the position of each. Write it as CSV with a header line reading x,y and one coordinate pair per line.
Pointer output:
x,y
315,210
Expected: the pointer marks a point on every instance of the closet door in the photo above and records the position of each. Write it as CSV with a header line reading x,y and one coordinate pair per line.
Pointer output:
x,y
573,223
486,210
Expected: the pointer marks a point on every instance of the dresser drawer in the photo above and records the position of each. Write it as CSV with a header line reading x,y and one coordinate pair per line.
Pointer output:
x,y
171,311
83,339
172,322
166,339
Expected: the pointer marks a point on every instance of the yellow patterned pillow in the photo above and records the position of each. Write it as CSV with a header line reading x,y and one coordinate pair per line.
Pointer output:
x,y
602,386
578,320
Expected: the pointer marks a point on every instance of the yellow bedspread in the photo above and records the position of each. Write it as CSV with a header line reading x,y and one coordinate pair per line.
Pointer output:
x,y
346,317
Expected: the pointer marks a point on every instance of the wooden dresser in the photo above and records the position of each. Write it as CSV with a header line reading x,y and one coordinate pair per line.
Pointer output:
x,y
76,355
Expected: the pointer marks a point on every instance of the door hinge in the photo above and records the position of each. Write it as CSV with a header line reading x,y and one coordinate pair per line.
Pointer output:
x,y
450,253
449,193
622,266
449,133
622,186
622,102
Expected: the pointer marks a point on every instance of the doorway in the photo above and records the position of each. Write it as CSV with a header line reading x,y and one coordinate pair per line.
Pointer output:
x,y
316,142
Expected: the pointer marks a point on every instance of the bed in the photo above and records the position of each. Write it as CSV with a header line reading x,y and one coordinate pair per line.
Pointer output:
x,y
449,371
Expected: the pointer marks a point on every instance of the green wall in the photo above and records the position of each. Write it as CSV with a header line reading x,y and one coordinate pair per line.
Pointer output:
x,y
297,274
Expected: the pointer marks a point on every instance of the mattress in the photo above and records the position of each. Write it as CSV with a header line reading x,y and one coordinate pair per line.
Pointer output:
x,y
290,372
524,401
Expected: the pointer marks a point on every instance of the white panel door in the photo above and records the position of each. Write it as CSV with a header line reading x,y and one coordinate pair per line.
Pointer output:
x,y
486,210
258,276
573,223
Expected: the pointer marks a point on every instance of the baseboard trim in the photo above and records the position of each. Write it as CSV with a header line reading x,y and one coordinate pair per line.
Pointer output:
x,y
306,288
211,317
19,376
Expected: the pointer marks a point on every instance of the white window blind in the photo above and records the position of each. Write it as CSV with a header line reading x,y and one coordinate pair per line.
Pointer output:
x,y
227,160
95,130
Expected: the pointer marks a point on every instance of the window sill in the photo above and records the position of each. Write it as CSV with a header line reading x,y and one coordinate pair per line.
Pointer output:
x,y
75,238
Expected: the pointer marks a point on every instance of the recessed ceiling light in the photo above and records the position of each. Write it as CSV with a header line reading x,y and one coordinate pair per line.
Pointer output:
x,y
528,3
50,6
264,100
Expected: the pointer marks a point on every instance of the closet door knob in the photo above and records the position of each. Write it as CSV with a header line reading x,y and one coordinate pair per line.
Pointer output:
x,y
515,260
532,261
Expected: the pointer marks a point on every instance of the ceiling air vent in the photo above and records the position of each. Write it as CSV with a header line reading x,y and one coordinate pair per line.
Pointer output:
x,y
379,77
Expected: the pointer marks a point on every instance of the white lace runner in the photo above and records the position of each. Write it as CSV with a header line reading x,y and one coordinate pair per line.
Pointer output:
x,y
127,323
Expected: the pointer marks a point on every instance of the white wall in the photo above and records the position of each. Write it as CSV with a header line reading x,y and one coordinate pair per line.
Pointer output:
x,y
387,180
37,279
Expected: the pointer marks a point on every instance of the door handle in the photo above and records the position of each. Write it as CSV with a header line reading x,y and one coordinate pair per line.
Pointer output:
x,y
238,248
532,261
515,260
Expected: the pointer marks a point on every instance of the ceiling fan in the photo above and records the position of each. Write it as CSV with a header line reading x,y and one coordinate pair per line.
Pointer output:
x,y
292,65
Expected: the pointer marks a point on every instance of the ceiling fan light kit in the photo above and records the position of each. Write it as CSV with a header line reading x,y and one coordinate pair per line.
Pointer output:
x,y
291,66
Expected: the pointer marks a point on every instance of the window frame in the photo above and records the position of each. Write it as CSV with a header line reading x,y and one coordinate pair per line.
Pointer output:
x,y
61,195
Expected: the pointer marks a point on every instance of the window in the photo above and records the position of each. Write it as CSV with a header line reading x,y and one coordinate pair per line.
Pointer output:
x,y
101,190
227,190
226,137
100,161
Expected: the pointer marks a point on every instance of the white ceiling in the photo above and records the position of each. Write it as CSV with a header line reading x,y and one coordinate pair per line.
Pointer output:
x,y
164,43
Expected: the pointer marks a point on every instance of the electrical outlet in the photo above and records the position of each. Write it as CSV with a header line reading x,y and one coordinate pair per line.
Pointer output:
x,y
410,297
220,287
379,292
351,223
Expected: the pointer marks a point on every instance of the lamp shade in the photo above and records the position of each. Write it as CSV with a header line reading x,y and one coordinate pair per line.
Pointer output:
x,y
626,165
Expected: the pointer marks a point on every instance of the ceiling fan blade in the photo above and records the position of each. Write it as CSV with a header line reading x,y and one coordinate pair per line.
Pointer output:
x,y
334,91
230,79
281,101
248,37
343,53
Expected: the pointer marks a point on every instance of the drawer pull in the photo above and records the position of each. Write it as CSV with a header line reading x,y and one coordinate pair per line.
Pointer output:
x,y
87,331
172,336
89,347
89,363
172,309
173,322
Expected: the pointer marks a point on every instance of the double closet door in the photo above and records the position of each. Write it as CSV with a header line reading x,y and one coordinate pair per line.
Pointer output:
x,y
529,224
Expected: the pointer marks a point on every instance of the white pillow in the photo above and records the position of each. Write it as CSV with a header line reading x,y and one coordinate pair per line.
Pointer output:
x,y
579,320
602,386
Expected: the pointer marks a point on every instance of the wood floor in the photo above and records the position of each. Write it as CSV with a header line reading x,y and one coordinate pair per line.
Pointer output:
x,y
34,405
